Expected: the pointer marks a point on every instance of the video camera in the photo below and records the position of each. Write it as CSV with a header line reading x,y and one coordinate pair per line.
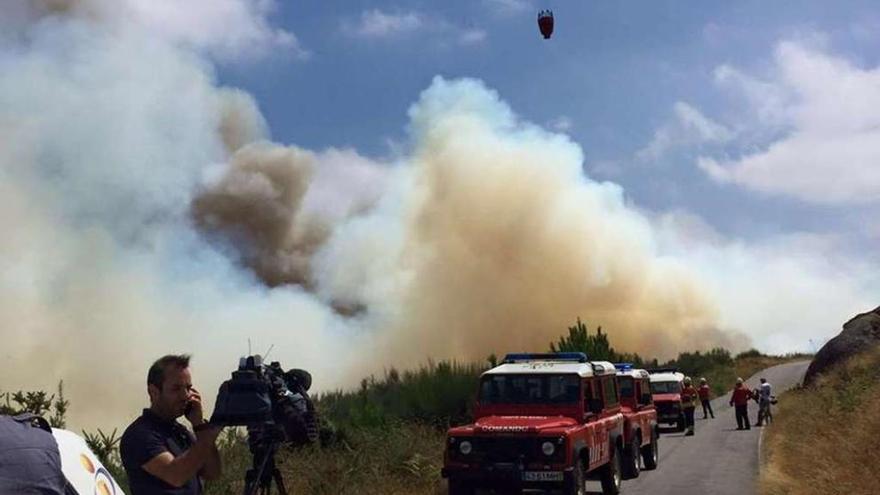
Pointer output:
x,y
269,402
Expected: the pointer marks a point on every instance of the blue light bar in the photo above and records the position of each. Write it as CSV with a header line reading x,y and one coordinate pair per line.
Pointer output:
x,y
623,366
575,357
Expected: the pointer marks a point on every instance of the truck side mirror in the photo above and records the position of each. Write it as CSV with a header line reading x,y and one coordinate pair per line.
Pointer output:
x,y
595,406
646,399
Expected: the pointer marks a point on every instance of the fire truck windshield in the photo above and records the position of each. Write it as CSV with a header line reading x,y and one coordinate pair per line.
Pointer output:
x,y
530,389
626,386
665,388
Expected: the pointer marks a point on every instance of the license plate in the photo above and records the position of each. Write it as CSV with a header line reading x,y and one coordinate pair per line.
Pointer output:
x,y
542,476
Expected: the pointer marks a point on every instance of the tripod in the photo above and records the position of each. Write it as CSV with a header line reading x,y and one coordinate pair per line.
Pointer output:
x,y
258,479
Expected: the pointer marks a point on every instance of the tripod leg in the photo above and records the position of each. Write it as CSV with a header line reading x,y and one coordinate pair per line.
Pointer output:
x,y
250,483
280,482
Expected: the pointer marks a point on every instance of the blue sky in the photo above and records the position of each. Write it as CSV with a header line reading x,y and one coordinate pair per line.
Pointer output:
x,y
609,78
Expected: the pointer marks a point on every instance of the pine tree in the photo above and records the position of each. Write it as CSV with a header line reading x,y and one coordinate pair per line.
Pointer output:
x,y
596,347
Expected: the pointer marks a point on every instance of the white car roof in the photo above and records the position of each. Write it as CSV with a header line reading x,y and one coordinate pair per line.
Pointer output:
x,y
540,366
635,373
667,377
81,466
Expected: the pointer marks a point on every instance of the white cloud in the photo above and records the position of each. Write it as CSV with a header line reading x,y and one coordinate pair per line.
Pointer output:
x,y
830,150
688,128
508,6
472,36
562,123
604,169
377,24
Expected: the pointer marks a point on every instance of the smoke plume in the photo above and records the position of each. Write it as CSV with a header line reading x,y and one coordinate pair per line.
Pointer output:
x,y
146,211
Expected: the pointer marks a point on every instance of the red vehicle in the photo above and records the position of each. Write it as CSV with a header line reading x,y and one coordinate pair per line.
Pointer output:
x,y
666,391
641,437
542,421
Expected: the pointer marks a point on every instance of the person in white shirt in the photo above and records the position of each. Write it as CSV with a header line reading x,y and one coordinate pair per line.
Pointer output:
x,y
765,394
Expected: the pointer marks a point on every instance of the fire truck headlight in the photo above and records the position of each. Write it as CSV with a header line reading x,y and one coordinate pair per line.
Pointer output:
x,y
548,448
465,447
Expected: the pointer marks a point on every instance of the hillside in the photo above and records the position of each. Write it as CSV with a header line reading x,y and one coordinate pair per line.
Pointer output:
x,y
825,437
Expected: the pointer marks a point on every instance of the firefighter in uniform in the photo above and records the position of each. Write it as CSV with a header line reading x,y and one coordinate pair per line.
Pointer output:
x,y
688,405
740,400
705,393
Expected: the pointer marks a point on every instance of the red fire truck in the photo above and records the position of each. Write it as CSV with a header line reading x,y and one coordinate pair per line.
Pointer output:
x,y
542,421
641,447
666,390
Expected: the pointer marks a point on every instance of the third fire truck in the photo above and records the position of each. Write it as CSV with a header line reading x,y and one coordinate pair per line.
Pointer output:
x,y
666,385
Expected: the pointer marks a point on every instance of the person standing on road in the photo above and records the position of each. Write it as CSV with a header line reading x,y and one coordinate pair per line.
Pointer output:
x,y
740,400
765,392
705,393
688,405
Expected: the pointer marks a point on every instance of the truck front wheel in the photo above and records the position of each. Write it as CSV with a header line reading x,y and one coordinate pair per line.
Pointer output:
x,y
611,476
577,486
651,452
632,458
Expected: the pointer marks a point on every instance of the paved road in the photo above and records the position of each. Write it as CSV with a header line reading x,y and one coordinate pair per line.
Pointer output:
x,y
718,460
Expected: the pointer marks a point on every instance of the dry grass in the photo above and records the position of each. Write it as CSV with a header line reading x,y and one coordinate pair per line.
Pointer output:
x,y
825,438
403,460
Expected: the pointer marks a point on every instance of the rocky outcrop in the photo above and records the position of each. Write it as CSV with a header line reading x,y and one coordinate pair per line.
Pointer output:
x,y
859,334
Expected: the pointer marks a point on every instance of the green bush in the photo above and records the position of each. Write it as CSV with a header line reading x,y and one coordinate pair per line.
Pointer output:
x,y
751,353
438,394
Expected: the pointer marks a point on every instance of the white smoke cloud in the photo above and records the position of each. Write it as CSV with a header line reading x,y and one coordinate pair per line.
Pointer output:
x,y
784,291
227,28
484,237
107,135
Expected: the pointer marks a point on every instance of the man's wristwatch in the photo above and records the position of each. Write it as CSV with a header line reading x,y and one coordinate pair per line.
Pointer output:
x,y
204,425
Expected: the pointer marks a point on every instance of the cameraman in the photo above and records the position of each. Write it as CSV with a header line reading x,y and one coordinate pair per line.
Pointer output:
x,y
159,454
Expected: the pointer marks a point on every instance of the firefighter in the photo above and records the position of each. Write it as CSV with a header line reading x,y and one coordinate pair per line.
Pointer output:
x,y
704,398
688,405
740,400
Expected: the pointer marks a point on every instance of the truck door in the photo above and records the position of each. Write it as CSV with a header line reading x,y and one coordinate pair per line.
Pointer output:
x,y
610,422
594,433
642,388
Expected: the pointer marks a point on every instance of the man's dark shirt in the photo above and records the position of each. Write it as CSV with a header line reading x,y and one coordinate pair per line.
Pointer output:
x,y
147,437
29,460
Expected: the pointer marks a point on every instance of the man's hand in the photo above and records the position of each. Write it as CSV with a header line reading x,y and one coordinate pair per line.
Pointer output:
x,y
196,415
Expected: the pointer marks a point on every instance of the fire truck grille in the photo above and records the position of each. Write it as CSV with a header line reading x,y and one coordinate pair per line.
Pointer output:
x,y
502,449
490,450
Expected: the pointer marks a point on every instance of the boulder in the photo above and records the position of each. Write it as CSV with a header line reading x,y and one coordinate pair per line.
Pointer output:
x,y
859,334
